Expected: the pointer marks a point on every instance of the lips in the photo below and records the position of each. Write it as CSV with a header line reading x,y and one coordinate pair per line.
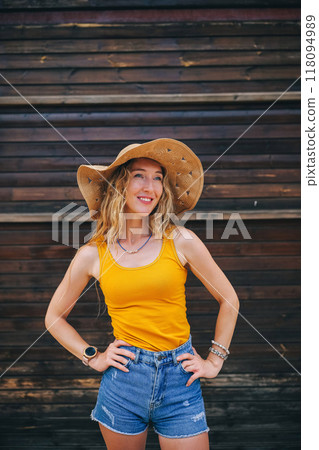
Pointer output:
x,y
146,202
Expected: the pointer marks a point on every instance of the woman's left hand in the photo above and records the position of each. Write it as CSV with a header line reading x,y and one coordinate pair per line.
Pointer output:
x,y
205,368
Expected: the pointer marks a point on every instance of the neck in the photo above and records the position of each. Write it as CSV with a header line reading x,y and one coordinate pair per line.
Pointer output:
x,y
135,231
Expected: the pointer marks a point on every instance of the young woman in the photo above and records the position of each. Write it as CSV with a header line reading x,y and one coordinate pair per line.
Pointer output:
x,y
151,371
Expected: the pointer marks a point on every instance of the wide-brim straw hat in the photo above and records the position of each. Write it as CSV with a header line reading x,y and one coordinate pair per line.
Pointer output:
x,y
184,169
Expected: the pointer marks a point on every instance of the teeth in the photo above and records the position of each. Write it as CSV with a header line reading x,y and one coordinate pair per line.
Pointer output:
x,y
145,199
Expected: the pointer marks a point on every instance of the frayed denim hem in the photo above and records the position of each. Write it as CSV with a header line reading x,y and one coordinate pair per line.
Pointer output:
x,y
113,429
183,435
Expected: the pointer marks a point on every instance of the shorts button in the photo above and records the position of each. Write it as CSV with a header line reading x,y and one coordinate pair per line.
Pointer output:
x,y
160,357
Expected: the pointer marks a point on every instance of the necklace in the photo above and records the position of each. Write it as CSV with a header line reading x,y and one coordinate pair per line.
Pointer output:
x,y
135,251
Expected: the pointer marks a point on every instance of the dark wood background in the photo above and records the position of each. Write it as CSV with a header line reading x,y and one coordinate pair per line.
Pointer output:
x,y
106,78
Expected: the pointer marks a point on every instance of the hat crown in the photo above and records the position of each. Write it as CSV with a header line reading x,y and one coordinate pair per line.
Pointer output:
x,y
126,149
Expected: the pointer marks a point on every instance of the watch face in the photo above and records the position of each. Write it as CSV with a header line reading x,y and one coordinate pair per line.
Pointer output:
x,y
90,351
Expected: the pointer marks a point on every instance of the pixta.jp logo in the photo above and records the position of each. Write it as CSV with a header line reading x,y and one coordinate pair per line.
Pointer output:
x,y
71,222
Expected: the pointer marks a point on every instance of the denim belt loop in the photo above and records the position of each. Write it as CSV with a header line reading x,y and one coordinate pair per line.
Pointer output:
x,y
137,355
174,357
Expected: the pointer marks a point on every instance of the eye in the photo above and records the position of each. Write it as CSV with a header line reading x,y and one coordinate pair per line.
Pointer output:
x,y
139,174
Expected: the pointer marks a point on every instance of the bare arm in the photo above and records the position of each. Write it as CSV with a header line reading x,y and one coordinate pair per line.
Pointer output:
x,y
207,271
65,297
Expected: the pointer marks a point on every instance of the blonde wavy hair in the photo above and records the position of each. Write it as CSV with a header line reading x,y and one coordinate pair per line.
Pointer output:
x,y
111,222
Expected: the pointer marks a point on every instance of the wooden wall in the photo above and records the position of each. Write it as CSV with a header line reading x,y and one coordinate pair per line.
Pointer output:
x,y
106,78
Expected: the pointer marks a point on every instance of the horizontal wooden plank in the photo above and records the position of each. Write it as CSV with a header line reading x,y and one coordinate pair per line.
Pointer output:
x,y
213,191
72,368
152,59
151,44
152,98
270,436
203,206
241,381
227,248
35,134
240,353
240,366
42,237
148,15
106,151
245,293
289,321
88,438
194,307
291,277
240,176
129,117
226,263
253,175
281,205
259,230
219,409
160,88
95,443
113,30
229,160
245,215
53,396
209,191
142,4
71,77
244,334
278,421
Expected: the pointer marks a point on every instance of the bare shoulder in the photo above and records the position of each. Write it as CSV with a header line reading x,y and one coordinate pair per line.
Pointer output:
x,y
88,257
188,244
186,238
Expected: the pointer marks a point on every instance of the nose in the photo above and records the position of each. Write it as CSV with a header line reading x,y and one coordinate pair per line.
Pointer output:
x,y
148,184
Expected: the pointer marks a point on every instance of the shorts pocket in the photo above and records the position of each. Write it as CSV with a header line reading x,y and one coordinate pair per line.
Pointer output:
x,y
184,370
187,372
127,364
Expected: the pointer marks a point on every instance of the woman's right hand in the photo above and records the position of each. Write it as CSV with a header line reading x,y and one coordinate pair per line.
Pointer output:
x,y
112,357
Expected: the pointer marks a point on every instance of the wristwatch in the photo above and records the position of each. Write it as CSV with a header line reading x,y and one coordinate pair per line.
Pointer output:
x,y
88,354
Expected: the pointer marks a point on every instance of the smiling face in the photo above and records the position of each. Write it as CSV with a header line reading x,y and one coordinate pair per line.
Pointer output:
x,y
145,186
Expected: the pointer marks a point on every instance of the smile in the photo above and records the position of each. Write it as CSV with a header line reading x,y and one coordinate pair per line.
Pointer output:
x,y
145,200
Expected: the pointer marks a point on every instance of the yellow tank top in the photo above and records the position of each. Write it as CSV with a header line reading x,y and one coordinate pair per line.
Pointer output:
x,y
147,304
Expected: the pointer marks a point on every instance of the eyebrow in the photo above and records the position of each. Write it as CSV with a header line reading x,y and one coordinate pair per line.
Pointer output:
x,y
158,171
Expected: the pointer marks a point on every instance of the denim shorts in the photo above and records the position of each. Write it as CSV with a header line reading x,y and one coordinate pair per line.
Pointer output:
x,y
153,392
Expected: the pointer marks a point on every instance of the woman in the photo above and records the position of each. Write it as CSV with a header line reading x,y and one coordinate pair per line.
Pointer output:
x,y
151,370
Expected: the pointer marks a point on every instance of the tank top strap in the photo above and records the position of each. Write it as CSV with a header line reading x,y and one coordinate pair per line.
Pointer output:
x,y
171,251
104,256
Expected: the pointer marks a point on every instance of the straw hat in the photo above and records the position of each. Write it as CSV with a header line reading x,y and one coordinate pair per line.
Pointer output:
x,y
184,169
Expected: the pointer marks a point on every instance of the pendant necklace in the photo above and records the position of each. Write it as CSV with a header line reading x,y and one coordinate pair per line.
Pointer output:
x,y
134,251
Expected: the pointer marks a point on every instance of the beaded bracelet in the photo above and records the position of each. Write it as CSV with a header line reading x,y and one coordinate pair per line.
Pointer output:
x,y
213,350
221,346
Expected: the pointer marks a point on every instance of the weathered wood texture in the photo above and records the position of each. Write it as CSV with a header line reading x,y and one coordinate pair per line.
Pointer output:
x,y
131,4
254,399
47,395
260,167
258,172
